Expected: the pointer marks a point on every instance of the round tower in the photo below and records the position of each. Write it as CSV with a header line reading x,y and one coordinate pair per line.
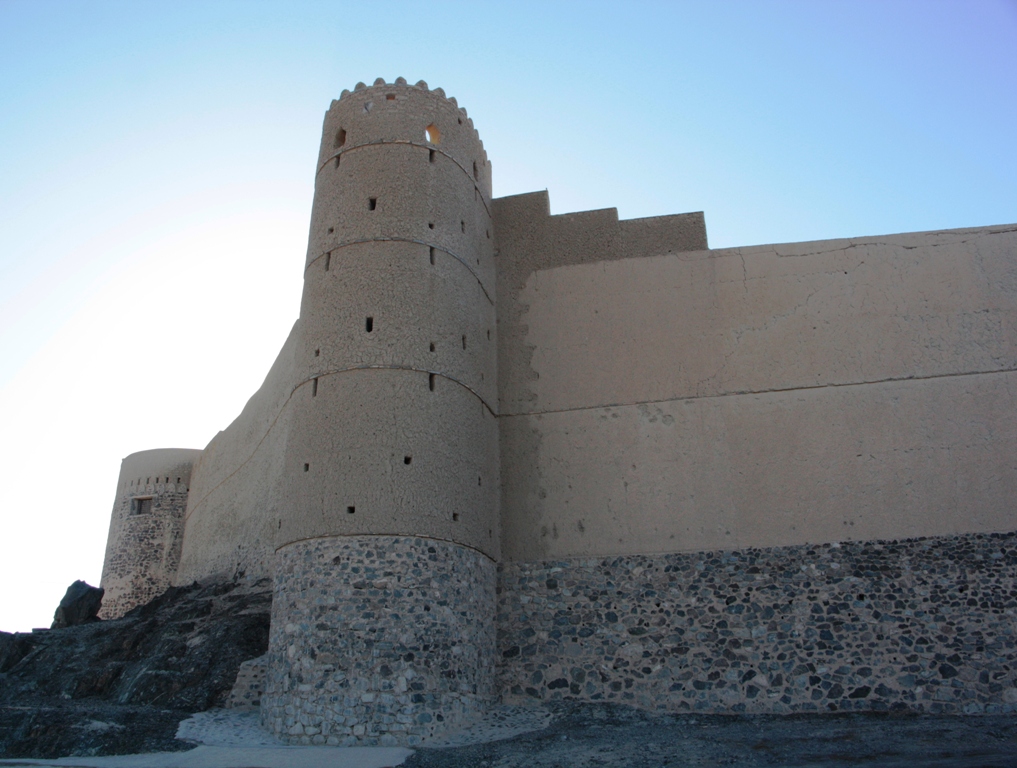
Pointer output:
x,y
146,528
383,614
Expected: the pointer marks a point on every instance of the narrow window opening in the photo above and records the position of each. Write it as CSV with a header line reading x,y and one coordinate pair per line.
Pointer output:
x,y
372,203
337,159
475,169
431,154
488,234
432,134
479,481
369,324
314,387
407,459
462,226
430,381
488,334
307,467
280,525
178,479
331,230
351,510
455,517
432,255
430,225
340,137
328,260
460,121
389,97
141,506
432,346
464,342
317,352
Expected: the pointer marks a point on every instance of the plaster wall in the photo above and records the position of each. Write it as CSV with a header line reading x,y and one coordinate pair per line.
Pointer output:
x,y
393,428
146,528
759,396
232,515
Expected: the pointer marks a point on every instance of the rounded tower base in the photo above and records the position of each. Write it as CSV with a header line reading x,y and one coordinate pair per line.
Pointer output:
x,y
378,640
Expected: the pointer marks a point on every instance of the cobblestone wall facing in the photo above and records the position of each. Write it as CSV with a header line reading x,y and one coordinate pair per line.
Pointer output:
x,y
923,624
378,640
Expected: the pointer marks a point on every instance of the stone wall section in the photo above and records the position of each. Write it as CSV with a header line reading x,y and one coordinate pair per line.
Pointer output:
x,y
143,563
378,640
924,624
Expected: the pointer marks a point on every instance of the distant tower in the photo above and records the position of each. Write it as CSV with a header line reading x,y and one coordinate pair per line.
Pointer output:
x,y
146,528
383,613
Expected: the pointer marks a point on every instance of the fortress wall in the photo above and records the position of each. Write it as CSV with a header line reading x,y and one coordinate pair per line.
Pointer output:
x,y
232,517
761,396
921,625
146,527
530,239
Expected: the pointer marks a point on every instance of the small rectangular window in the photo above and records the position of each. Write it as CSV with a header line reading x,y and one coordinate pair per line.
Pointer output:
x,y
369,324
372,203
141,506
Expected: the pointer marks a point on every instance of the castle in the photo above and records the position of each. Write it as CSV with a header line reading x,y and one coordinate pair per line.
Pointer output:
x,y
509,454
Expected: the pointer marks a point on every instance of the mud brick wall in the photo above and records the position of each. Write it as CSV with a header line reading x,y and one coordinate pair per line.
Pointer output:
x,y
923,624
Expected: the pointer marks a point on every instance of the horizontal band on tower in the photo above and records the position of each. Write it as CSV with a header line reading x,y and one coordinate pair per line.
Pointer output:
x,y
454,380
455,256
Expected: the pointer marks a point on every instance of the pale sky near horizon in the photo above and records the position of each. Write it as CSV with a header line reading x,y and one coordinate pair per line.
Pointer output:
x,y
158,162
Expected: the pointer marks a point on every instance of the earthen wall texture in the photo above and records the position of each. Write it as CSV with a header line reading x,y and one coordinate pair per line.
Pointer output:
x,y
923,624
393,427
378,640
146,528
234,508
785,394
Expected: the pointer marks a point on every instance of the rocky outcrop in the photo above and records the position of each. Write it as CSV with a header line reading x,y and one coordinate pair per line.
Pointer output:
x,y
122,686
80,605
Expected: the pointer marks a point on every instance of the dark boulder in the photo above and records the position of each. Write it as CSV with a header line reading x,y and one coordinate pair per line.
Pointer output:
x,y
80,605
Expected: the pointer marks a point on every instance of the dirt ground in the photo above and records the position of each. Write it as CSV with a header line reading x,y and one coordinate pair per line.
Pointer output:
x,y
609,735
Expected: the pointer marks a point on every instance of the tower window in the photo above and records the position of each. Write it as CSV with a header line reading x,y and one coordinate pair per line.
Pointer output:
x,y
372,203
432,134
307,467
328,260
407,460
462,226
351,510
317,352
430,225
475,169
432,346
340,137
389,97
369,324
141,506
432,255
431,155
464,341
337,159
430,381
314,387
455,517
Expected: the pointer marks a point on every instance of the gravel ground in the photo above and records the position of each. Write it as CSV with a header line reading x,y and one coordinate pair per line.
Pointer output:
x,y
612,735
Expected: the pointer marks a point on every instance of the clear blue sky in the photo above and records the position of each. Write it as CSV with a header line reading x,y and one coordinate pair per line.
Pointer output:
x,y
158,159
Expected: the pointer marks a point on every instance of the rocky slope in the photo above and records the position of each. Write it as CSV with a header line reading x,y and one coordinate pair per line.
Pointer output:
x,y
115,687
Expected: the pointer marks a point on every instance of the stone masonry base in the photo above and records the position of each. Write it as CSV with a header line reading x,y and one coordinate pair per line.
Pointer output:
x,y
378,640
920,624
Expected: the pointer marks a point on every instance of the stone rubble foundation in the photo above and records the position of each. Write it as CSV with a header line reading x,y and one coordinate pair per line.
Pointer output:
x,y
925,624
378,640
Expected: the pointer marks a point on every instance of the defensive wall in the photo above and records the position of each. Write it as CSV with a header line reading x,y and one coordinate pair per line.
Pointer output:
x,y
505,453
